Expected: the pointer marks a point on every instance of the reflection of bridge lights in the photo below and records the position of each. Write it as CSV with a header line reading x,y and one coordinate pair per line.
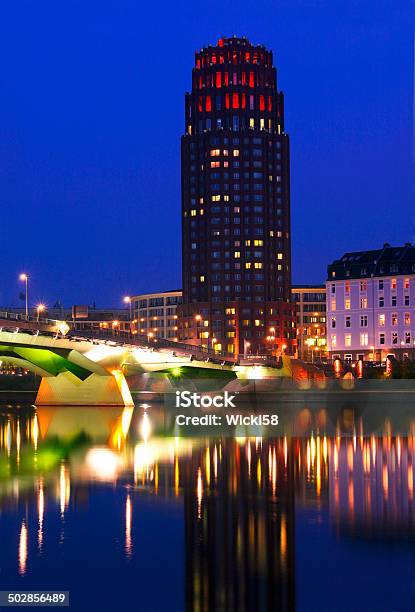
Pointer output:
x,y
128,518
23,549
207,466
103,463
18,440
35,431
64,488
41,509
144,458
199,489
145,427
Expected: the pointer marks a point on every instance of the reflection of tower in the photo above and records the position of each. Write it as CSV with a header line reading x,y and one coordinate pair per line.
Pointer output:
x,y
239,534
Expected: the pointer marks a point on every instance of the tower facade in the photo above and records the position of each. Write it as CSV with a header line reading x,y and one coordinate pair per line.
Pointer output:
x,y
236,204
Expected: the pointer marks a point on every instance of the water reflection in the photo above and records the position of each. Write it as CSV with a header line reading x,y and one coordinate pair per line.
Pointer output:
x,y
239,496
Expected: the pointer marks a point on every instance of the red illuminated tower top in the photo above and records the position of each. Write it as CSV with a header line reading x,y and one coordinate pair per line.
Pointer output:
x,y
238,78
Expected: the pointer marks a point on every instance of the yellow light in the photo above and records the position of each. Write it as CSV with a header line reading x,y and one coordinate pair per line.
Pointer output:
x,y
127,299
102,463
40,307
176,371
198,317
23,277
23,549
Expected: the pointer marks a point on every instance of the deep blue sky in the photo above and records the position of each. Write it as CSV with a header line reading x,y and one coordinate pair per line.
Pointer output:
x,y
91,107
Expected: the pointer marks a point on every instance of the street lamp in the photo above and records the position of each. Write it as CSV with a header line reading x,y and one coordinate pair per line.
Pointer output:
x,y
272,337
25,279
149,336
40,308
127,300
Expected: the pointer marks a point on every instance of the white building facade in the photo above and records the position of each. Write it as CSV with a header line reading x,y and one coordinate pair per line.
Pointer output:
x,y
155,314
370,300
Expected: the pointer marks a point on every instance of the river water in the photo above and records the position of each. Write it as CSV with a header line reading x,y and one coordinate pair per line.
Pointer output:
x,y
112,506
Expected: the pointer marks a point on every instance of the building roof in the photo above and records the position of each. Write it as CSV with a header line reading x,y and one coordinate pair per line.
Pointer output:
x,y
308,287
387,261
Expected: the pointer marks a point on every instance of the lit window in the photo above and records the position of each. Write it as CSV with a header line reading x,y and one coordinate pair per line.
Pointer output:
x,y
363,302
347,304
348,340
193,213
258,243
202,279
258,265
237,254
364,339
214,152
394,319
279,255
248,265
333,305
236,152
381,320
407,318
333,341
216,198
406,283
252,123
393,283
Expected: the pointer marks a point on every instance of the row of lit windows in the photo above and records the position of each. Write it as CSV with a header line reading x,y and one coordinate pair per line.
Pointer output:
x,y
363,320
382,283
363,302
364,339
231,56
234,101
236,125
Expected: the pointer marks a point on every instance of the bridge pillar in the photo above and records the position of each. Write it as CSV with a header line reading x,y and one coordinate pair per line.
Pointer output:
x,y
66,389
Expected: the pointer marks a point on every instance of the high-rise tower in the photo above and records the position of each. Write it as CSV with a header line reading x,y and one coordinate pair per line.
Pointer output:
x,y
236,204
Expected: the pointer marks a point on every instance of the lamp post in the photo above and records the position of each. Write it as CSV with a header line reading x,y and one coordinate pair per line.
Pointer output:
x,y
127,300
40,308
25,279
272,337
198,318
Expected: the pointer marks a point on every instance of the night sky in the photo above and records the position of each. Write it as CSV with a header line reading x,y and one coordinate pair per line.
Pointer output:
x,y
92,105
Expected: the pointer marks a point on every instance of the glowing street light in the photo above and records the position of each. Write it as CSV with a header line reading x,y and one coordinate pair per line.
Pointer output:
x,y
40,308
127,300
25,279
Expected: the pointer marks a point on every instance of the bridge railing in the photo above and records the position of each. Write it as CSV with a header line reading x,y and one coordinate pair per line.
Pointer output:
x,y
144,340
14,316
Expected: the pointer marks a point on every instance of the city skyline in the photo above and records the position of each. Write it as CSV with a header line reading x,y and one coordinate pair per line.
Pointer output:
x,y
64,153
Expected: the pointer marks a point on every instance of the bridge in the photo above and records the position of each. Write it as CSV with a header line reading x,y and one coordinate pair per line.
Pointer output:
x,y
95,368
